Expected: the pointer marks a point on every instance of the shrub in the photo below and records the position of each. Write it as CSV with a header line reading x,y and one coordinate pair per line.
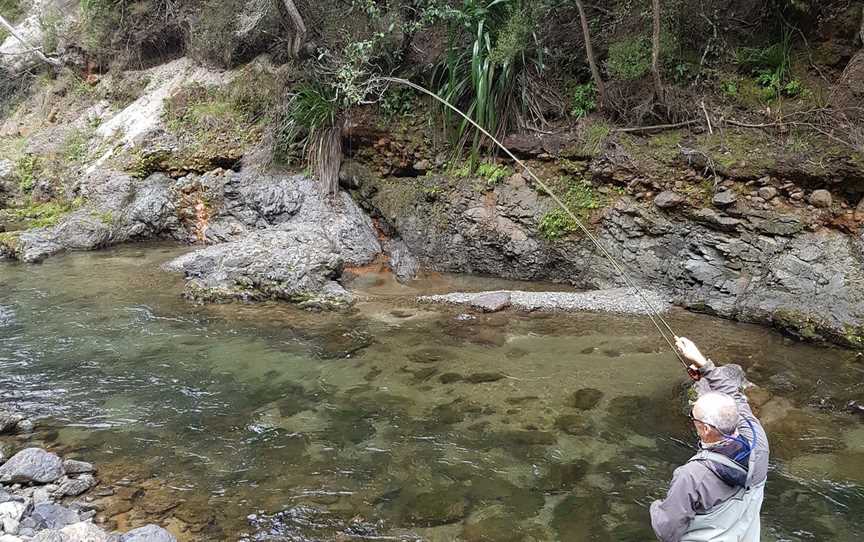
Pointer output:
x,y
629,59
584,100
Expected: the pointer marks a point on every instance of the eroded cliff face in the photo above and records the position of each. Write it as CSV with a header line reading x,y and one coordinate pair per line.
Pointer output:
x,y
752,248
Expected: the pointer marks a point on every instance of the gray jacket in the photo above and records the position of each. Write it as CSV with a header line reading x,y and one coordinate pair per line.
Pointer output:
x,y
695,487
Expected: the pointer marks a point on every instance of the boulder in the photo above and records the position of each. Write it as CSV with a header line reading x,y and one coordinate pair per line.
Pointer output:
x,y
32,465
668,199
724,198
293,264
148,533
821,199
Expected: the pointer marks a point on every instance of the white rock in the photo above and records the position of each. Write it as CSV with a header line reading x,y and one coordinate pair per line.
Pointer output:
x,y
84,531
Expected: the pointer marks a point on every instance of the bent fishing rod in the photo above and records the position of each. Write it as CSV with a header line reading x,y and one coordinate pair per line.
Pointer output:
x,y
657,319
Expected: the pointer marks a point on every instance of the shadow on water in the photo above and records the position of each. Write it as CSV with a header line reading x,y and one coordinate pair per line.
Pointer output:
x,y
399,421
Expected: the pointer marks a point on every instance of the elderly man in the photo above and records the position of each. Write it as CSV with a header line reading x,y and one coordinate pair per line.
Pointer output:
x,y
716,496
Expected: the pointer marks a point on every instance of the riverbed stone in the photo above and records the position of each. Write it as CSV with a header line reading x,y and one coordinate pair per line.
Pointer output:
x,y
585,398
73,466
574,424
148,533
53,516
8,421
482,378
32,465
72,487
492,301
85,531
821,198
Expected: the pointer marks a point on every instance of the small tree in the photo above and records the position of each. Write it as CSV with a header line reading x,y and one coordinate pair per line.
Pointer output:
x,y
655,53
299,36
589,52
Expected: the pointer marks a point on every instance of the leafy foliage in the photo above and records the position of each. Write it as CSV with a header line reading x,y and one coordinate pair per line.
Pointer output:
x,y
487,79
629,59
556,224
580,198
584,100
772,67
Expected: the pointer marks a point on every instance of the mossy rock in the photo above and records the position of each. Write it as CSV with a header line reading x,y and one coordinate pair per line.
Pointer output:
x,y
440,506
578,518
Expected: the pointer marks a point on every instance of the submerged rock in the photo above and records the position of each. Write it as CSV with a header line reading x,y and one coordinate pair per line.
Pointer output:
x,y
148,533
9,421
585,399
32,465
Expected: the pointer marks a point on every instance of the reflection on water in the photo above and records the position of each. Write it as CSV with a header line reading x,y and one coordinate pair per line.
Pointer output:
x,y
399,421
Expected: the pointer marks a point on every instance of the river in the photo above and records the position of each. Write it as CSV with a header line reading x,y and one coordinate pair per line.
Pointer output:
x,y
399,421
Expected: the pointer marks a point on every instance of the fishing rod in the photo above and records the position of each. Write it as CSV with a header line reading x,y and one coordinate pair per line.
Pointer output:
x,y
657,319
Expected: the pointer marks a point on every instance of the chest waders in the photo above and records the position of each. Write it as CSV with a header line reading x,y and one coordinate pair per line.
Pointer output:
x,y
736,519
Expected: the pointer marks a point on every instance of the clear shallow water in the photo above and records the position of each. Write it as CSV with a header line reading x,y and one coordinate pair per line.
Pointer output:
x,y
398,420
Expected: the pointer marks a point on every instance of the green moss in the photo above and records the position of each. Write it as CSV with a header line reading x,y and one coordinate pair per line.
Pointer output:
x,y
10,240
798,324
743,151
41,215
106,217
580,197
27,169
854,335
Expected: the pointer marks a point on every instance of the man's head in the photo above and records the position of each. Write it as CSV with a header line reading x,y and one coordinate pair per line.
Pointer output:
x,y
714,415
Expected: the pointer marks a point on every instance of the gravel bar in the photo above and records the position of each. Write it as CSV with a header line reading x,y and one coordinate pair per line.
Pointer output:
x,y
618,300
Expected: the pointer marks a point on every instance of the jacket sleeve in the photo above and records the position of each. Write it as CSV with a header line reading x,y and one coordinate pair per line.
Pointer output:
x,y
727,379
671,517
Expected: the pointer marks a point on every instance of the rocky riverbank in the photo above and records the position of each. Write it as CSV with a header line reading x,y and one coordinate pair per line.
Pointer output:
x,y
45,498
739,227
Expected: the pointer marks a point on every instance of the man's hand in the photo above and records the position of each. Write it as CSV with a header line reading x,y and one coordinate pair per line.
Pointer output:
x,y
690,352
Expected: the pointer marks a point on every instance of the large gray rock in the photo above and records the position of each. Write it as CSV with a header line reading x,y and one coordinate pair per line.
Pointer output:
x,y
84,531
53,516
148,533
293,264
285,240
32,465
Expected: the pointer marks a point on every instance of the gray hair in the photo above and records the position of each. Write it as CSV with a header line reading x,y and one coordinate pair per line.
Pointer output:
x,y
718,410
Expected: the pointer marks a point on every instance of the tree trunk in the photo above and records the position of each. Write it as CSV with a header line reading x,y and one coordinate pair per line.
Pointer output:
x,y
655,53
27,47
299,27
589,52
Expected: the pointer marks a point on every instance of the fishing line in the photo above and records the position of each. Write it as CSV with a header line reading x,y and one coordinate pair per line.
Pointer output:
x,y
654,315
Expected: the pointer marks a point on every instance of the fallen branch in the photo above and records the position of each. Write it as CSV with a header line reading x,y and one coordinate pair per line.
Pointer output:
x,y
657,127
27,47
707,118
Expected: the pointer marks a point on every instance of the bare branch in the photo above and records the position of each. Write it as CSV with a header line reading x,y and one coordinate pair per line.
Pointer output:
x,y
28,48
